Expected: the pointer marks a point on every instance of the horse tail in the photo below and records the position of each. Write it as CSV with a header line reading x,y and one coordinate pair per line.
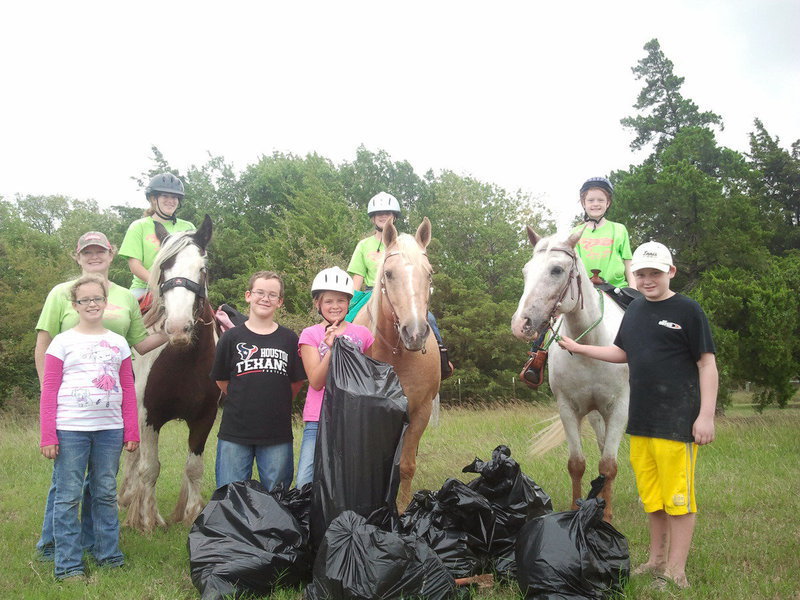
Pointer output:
x,y
550,437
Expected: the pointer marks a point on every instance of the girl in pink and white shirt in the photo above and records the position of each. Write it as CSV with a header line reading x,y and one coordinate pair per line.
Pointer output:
x,y
332,290
87,414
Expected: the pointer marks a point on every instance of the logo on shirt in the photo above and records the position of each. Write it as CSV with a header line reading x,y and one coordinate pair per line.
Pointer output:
x,y
245,351
669,324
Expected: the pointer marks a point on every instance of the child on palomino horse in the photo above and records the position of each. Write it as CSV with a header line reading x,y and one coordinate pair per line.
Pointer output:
x,y
88,414
666,340
604,247
140,245
258,369
332,290
383,208
93,254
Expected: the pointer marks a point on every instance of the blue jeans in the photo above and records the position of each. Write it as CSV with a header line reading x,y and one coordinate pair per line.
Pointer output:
x,y
99,452
46,546
305,465
275,463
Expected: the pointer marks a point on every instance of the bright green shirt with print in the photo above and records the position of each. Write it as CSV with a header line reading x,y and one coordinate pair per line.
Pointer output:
x,y
141,242
605,248
121,316
365,259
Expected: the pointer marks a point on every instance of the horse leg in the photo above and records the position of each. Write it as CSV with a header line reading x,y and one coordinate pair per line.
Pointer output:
x,y
143,513
418,420
614,428
190,500
599,425
576,464
126,489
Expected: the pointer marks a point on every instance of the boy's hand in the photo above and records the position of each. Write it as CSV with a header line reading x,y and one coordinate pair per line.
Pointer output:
x,y
49,451
131,446
568,344
703,430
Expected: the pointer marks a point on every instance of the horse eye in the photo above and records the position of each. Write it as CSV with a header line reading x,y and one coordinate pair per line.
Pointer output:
x,y
556,271
388,274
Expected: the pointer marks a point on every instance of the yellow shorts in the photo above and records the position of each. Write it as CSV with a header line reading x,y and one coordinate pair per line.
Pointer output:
x,y
664,472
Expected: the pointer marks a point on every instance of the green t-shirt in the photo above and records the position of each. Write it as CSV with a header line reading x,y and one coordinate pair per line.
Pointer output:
x,y
122,315
365,259
605,248
141,242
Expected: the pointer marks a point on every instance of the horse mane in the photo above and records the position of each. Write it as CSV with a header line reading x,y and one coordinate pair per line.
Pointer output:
x,y
170,248
408,247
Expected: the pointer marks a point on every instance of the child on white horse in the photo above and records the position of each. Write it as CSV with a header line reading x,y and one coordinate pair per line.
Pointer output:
x,y
666,341
331,290
256,366
88,413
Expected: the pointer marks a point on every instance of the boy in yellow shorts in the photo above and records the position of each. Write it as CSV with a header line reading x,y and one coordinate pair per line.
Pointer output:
x,y
666,341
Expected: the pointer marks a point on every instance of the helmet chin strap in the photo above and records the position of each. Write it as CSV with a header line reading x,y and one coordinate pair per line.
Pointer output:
x,y
594,222
171,217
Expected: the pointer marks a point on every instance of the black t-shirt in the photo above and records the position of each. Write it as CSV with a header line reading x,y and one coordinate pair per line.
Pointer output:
x,y
664,341
259,370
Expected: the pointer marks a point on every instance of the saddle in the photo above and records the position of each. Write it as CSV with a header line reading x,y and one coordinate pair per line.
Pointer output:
x,y
622,296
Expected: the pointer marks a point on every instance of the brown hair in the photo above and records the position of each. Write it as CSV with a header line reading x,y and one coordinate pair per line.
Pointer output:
x,y
605,191
264,275
73,289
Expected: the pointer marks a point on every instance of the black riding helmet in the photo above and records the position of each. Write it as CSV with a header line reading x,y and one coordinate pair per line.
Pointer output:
x,y
165,183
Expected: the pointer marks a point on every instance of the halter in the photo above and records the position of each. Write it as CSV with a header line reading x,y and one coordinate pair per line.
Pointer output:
x,y
198,289
573,275
395,319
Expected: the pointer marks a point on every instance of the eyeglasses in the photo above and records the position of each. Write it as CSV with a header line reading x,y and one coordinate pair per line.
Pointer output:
x,y
88,301
259,294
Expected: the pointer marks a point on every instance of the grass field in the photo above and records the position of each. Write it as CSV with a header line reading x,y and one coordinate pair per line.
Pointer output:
x,y
747,542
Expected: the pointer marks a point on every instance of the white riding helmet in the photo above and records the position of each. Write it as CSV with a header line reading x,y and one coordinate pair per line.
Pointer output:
x,y
332,280
383,202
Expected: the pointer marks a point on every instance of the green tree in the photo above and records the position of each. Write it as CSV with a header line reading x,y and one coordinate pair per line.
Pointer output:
x,y
665,111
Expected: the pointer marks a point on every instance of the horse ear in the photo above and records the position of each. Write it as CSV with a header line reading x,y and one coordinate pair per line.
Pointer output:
x,y
572,240
533,236
161,232
424,233
389,234
203,235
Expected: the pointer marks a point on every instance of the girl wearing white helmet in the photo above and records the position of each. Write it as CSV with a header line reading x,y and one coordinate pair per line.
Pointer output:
x,y
382,209
331,290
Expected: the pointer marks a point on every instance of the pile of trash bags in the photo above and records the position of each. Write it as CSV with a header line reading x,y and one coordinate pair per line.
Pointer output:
x,y
345,524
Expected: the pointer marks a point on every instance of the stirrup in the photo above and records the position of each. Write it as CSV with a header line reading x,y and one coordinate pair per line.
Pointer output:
x,y
447,368
532,373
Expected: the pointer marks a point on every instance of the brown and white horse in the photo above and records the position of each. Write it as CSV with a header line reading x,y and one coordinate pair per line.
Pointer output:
x,y
397,315
556,284
172,381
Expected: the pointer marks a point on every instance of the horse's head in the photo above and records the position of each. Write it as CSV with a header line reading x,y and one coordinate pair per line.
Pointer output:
x,y
404,283
178,280
551,284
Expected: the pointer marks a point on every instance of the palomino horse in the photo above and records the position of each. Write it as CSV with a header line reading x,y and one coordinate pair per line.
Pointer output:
x,y
172,381
556,284
397,315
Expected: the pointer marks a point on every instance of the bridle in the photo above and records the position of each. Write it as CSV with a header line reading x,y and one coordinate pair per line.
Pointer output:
x,y
385,294
574,275
198,289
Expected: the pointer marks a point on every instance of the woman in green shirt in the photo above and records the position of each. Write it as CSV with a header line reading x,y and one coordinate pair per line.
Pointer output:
x,y
140,246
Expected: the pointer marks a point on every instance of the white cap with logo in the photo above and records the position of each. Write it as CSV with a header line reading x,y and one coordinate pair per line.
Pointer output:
x,y
652,255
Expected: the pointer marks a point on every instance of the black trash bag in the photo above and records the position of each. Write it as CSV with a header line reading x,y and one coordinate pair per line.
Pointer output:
x,y
357,458
246,541
297,501
358,560
515,499
572,554
456,522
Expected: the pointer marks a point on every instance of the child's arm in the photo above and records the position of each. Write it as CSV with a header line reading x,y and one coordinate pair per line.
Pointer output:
x,y
43,339
151,342
48,404
703,428
137,268
130,410
629,274
223,386
612,354
316,367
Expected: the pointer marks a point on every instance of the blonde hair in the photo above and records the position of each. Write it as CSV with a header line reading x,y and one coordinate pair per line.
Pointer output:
x,y
83,280
264,275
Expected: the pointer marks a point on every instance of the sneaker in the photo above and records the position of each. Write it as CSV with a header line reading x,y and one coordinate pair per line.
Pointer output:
x,y
73,578
46,554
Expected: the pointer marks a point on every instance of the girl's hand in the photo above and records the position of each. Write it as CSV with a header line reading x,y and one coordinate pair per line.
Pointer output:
x,y
49,451
568,344
131,446
334,330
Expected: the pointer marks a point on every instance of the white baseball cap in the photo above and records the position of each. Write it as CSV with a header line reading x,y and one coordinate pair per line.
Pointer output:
x,y
652,255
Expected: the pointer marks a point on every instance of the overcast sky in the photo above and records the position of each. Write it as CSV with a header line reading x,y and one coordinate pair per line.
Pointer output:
x,y
519,94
